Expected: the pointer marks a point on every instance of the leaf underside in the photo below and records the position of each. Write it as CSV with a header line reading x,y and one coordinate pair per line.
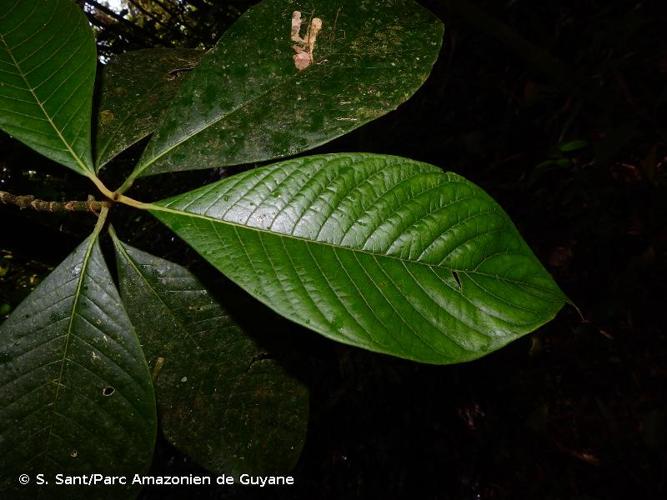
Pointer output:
x,y
247,102
74,385
380,252
221,399
47,71
136,87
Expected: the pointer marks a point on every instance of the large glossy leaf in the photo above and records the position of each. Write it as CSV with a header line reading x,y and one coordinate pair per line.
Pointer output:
x,y
136,87
75,392
380,252
248,102
222,400
47,71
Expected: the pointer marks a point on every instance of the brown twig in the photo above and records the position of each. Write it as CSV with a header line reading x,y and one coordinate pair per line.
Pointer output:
x,y
167,9
164,24
29,201
125,22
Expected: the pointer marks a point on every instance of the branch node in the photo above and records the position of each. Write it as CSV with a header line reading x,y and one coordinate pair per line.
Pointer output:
x,y
29,201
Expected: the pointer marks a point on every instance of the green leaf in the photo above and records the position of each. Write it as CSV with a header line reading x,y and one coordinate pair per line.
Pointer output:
x,y
375,251
247,101
136,87
75,392
221,399
573,146
47,71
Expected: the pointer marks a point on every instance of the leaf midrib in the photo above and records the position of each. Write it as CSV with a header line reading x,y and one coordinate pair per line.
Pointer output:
x,y
69,334
78,160
356,250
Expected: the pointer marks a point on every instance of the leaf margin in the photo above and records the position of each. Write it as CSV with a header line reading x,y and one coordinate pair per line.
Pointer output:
x,y
161,210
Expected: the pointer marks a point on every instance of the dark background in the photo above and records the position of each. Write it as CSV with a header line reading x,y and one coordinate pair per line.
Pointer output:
x,y
557,109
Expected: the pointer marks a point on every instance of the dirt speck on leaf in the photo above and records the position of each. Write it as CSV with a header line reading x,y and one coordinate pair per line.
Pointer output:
x,y
304,47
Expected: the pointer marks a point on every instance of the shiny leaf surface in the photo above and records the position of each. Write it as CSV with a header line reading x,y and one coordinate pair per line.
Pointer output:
x,y
248,102
222,400
47,70
136,87
75,391
375,251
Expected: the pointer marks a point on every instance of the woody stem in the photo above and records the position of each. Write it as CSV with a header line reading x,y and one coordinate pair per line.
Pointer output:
x,y
29,201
